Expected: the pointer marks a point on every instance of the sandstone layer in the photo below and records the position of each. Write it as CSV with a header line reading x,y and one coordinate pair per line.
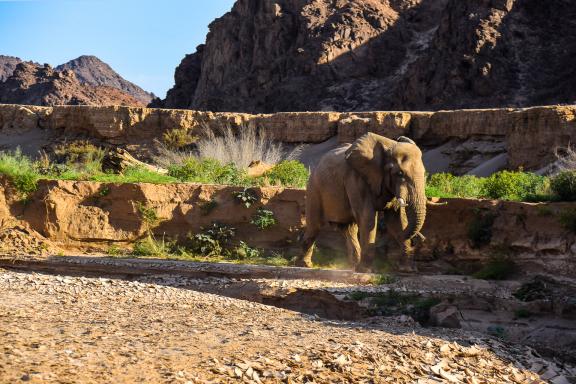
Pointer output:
x,y
529,137
362,55
90,216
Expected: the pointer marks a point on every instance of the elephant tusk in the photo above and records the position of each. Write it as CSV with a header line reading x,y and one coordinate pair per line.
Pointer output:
x,y
421,236
433,204
402,203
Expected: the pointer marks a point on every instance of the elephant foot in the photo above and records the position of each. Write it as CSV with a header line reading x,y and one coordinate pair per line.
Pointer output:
x,y
363,268
303,263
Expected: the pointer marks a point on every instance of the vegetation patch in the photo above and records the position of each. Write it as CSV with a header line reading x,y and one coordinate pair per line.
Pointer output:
x,y
246,197
480,228
498,268
564,185
178,138
263,219
394,303
149,246
538,289
20,170
290,173
568,219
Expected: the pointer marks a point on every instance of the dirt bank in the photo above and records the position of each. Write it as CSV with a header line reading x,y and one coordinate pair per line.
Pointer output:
x,y
92,217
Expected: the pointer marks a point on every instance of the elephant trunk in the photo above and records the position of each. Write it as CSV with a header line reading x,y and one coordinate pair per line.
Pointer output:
x,y
416,208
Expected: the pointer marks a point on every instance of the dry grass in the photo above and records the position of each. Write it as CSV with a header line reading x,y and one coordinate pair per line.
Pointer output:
x,y
239,146
566,159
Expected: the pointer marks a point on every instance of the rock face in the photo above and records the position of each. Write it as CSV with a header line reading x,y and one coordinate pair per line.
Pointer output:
x,y
41,85
525,138
7,66
359,55
93,71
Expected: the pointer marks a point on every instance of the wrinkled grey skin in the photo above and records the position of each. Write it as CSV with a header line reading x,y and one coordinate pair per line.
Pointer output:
x,y
351,184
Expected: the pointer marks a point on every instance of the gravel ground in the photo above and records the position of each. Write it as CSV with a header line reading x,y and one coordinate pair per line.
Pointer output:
x,y
95,330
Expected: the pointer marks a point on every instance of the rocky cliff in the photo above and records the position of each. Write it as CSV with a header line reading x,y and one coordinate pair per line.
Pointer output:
x,y
93,71
90,81
526,138
359,55
41,85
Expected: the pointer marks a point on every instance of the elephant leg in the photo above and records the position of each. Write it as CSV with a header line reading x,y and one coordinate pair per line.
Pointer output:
x,y
352,244
367,230
305,258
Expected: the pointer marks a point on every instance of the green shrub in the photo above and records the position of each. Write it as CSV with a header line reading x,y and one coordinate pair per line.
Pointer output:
x,y
148,215
568,219
20,169
498,268
564,185
205,245
178,138
208,171
518,186
288,173
480,228
447,185
263,218
246,197
243,252
79,151
212,240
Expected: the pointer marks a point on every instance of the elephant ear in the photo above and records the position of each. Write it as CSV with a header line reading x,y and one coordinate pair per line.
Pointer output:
x,y
404,139
366,156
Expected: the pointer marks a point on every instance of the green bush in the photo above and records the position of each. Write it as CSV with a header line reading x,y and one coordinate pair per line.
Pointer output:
x,y
246,197
448,185
244,252
263,218
212,240
518,186
288,173
208,171
20,169
564,185
480,228
498,268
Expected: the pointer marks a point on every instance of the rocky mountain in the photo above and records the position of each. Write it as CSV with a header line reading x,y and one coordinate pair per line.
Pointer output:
x,y
91,70
299,55
7,66
42,85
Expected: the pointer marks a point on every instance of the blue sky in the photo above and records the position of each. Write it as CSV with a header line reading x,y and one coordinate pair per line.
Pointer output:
x,y
143,40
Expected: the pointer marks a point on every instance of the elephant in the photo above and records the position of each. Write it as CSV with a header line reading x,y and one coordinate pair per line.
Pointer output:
x,y
351,184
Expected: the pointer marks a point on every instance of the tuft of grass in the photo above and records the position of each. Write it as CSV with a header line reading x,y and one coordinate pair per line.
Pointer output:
x,y
383,279
240,146
209,171
149,246
20,170
498,268
263,219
